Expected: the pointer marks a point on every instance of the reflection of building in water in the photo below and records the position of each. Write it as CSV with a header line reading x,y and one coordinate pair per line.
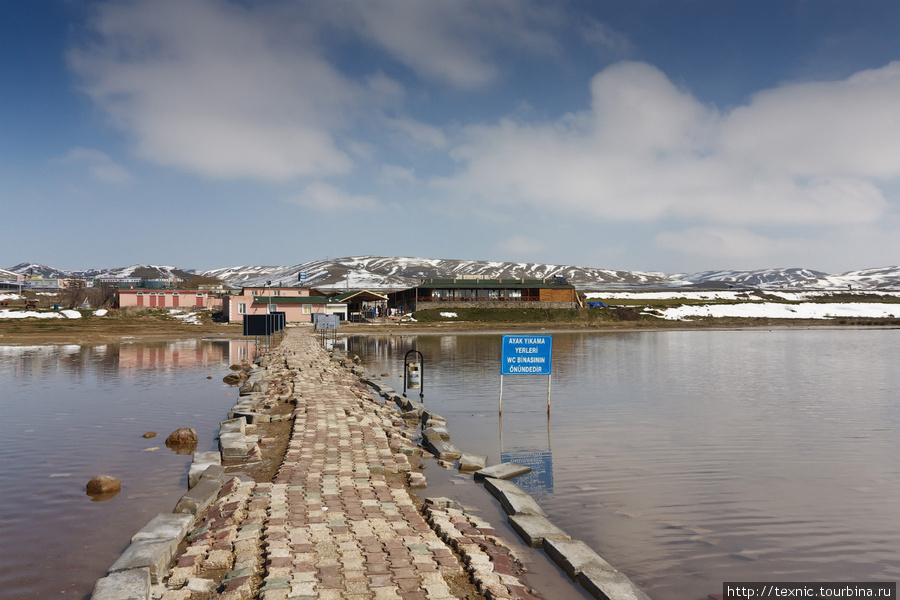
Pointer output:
x,y
540,480
169,355
111,360
183,354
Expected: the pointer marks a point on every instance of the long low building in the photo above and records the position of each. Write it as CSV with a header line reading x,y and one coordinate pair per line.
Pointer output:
x,y
550,292
156,298
298,304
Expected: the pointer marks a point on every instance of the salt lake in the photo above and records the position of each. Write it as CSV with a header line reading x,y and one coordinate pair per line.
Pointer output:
x,y
689,458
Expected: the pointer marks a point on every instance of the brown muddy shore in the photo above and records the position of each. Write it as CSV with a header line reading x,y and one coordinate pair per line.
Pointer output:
x,y
97,330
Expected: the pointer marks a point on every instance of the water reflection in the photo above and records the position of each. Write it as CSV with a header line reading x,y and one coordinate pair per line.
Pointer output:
x,y
73,412
692,458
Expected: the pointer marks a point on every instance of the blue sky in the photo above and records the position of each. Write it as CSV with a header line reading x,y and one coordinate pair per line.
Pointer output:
x,y
668,135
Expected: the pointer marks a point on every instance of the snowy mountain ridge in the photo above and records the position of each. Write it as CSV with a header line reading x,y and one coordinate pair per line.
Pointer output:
x,y
384,273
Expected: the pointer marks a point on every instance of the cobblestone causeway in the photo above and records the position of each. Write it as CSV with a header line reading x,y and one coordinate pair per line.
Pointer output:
x,y
337,521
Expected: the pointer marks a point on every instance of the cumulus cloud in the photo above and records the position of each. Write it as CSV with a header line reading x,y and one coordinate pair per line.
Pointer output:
x,y
326,198
99,164
454,42
648,150
213,88
258,90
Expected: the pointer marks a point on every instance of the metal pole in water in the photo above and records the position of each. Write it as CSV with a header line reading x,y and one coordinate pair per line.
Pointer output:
x,y
548,393
500,412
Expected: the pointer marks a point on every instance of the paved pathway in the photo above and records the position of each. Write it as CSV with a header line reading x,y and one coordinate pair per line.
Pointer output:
x,y
338,521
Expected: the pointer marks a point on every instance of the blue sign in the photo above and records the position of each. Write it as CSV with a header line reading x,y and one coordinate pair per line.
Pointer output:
x,y
526,355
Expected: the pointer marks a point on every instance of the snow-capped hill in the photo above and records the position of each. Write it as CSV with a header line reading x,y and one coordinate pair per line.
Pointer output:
x,y
235,275
879,278
38,270
385,273
760,278
142,271
882,277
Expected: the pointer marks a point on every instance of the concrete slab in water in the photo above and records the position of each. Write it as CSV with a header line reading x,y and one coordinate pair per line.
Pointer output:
x,y
199,498
472,462
155,555
201,461
438,434
515,500
609,585
165,526
444,450
574,556
535,528
133,584
503,471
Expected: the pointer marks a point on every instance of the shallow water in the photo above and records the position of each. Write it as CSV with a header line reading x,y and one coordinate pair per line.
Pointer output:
x,y
689,458
72,412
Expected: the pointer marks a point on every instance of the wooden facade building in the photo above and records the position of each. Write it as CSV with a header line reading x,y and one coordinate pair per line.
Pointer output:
x,y
550,292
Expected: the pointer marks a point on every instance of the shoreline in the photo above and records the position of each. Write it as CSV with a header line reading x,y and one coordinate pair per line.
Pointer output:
x,y
96,331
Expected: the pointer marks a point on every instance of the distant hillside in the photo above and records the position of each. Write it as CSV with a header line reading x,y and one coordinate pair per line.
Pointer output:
x,y
390,273
385,273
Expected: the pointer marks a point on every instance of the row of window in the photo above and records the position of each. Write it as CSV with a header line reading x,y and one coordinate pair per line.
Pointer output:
x,y
163,294
242,308
480,294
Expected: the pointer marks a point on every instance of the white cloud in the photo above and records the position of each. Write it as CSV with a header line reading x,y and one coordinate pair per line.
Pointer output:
x,y
99,164
255,90
323,197
648,150
455,42
216,89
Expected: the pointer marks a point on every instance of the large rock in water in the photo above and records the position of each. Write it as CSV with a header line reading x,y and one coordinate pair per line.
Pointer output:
x,y
182,436
182,441
103,484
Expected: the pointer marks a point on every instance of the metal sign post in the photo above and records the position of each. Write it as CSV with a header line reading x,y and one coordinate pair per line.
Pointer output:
x,y
526,355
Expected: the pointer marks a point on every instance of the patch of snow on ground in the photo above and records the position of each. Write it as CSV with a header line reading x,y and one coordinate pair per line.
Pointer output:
x,y
100,312
70,314
10,297
449,315
24,314
192,318
774,310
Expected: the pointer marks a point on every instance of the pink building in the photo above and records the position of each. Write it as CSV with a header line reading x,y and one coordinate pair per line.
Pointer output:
x,y
296,302
146,298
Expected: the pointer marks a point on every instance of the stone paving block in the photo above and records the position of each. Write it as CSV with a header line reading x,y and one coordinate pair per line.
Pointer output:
x,y
609,585
165,526
155,555
132,584
534,529
573,556
503,471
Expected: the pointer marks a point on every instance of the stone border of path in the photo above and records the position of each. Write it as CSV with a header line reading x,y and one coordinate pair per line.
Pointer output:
x,y
153,549
524,514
